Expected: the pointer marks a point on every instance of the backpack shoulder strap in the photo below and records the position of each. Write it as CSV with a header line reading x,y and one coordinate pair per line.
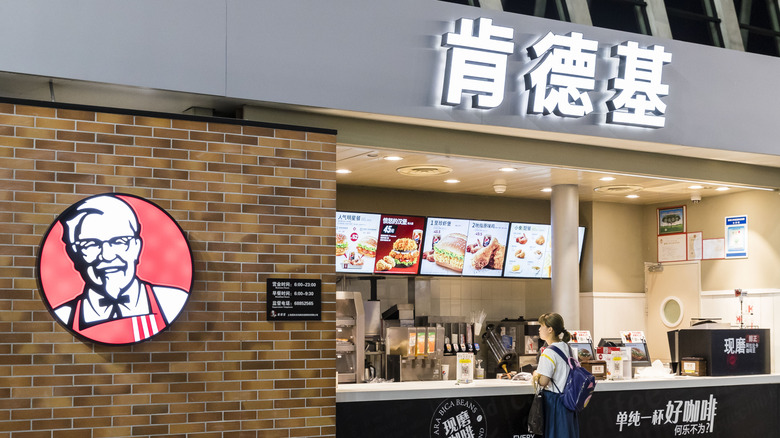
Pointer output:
x,y
560,353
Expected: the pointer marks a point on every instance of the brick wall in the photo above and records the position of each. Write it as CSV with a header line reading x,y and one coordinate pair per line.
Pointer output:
x,y
255,202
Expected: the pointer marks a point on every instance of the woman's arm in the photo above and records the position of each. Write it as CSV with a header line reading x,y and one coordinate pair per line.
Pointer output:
x,y
540,380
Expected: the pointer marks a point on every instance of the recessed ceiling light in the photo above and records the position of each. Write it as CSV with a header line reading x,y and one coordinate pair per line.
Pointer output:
x,y
343,171
696,187
546,190
607,178
508,169
722,189
451,181
393,158
632,196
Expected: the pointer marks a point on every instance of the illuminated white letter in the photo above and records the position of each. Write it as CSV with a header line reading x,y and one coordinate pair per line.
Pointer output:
x,y
567,68
638,85
476,62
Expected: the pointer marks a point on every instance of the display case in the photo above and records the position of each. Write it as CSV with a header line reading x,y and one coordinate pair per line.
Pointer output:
x,y
350,337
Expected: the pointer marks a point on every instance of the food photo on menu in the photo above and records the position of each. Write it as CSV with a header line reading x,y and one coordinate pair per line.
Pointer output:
x,y
635,340
398,247
486,249
356,241
528,251
444,248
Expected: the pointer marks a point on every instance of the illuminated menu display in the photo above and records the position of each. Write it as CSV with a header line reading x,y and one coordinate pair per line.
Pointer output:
x,y
529,251
356,242
444,246
486,248
398,247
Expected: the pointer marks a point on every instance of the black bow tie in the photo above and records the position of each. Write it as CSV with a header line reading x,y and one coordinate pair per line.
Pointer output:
x,y
114,303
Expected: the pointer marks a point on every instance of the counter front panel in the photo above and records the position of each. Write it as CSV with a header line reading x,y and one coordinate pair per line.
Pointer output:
x,y
710,406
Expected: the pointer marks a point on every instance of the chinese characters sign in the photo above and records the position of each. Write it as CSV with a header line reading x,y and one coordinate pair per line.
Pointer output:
x,y
293,300
562,79
689,417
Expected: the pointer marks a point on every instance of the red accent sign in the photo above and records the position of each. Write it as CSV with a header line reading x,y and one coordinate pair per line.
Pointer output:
x,y
115,269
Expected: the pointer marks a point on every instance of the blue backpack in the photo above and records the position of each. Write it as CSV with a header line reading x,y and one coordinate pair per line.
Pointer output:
x,y
579,385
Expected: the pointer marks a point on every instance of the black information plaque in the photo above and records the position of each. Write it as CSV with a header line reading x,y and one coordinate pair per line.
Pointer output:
x,y
291,299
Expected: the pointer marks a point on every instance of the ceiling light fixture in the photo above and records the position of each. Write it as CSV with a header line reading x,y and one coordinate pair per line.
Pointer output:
x,y
451,181
696,187
343,171
546,190
508,169
393,158
722,189
632,196
607,178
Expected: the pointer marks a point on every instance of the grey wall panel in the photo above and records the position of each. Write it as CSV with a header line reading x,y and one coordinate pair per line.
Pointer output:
x,y
173,44
380,57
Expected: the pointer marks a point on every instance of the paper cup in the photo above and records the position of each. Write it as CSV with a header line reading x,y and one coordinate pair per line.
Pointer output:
x,y
445,372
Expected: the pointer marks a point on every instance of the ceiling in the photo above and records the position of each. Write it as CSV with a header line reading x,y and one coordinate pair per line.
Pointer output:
x,y
369,167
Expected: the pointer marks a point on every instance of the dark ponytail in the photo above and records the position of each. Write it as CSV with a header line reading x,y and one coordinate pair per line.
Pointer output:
x,y
555,321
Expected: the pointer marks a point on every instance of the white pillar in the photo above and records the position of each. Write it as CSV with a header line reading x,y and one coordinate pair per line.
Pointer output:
x,y
564,205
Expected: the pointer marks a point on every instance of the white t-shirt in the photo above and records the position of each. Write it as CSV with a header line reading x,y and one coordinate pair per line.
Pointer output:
x,y
552,365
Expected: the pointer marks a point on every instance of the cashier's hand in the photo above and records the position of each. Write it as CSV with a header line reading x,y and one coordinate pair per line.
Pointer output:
x,y
535,380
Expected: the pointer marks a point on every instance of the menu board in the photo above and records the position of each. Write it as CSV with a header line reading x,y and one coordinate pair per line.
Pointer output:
x,y
444,247
583,343
356,242
398,248
486,248
635,340
529,251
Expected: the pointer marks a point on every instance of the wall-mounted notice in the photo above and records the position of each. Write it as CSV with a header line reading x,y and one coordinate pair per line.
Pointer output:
x,y
736,237
292,299
695,243
672,247
713,249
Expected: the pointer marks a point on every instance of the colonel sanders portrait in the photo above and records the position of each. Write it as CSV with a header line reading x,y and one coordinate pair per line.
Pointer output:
x,y
102,237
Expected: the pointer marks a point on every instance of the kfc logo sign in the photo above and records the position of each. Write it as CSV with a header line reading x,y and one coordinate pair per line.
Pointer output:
x,y
115,269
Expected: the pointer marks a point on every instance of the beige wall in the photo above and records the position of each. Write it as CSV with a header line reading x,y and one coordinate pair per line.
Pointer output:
x,y
760,269
616,236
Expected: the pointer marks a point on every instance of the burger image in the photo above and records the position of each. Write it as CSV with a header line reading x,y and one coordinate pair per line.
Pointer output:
x,y
450,252
341,244
405,252
367,246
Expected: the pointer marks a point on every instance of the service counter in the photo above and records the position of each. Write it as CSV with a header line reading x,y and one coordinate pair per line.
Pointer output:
x,y
665,407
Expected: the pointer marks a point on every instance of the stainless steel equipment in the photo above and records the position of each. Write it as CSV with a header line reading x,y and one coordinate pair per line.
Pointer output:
x,y
504,357
520,339
414,353
350,337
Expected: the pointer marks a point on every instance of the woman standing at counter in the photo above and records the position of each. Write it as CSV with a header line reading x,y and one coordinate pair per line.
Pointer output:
x,y
551,374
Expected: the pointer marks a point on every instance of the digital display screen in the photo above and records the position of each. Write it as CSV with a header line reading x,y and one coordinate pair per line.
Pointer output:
x,y
356,242
444,247
398,247
529,250
486,249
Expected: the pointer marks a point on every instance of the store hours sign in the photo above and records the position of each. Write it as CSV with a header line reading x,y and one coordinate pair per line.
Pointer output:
x,y
293,299
562,77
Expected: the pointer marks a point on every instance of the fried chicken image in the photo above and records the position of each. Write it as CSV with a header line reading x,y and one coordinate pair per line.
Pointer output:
x,y
484,255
